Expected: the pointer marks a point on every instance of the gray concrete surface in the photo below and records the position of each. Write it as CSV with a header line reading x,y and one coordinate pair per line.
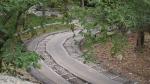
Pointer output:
x,y
45,74
56,49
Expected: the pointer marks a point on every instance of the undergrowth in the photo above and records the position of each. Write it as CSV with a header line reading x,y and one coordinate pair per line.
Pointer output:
x,y
119,43
15,56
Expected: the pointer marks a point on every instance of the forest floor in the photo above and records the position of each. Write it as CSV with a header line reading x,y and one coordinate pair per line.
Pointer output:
x,y
134,64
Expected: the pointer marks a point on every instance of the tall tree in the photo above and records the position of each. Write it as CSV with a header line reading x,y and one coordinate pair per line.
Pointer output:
x,y
12,12
122,15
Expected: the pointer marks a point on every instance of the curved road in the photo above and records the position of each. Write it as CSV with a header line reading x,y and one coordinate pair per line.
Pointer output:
x,y
56,49
54,46
45,74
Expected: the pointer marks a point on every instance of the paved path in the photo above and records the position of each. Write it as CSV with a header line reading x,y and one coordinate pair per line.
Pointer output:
x,y
56,49
45,74
59,67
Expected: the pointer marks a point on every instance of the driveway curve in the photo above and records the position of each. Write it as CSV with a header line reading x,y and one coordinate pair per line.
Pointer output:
x,y
55,48
57,64
45,74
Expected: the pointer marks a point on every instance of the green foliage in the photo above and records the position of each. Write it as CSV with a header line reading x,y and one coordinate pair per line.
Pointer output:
x,y
12,13
123,14
14,20
54,3
26,60
119,43
89,57
48,29
12,53
15,55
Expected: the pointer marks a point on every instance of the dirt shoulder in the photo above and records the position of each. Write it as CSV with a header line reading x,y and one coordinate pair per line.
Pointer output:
x,y
134,65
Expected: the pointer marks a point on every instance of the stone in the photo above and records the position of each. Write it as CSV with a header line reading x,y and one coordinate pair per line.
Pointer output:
x,y
110,33
5,79
119,57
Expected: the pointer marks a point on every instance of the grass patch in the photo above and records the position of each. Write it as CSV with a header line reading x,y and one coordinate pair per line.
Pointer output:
x,y
89,57
119,44
33,20
40,31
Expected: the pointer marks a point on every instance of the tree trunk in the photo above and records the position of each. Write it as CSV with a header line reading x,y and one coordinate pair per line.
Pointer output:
x,y
17,24
82,3
44,18
18,21
140,40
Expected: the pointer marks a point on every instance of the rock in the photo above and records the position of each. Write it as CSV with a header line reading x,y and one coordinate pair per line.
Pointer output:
x,y
95,32
129,32
4,79
38,11
119,57
110,33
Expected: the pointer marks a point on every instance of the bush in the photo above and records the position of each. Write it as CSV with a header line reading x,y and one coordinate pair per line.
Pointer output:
x,y
16,56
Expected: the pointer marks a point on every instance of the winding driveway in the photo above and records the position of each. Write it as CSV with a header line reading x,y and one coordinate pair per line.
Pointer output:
x,y
56,49
57,67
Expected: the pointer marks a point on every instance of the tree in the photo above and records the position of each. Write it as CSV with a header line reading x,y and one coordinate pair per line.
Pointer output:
x,y
82,3
143,17
116,14
11,24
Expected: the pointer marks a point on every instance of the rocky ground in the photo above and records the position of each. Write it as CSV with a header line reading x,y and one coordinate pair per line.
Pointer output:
x,y
5,79
21,77
134,64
